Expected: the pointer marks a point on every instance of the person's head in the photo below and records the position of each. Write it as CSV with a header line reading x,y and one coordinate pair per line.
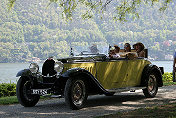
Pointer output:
x,y
127,47
139,46
112,51
135,47
117,49
93,48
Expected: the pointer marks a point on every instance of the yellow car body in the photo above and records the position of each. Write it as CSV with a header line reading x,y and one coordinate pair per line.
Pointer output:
x,y
114,74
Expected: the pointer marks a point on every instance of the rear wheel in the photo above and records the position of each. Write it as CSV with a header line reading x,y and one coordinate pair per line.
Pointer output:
x,y
152,87
75,93
23,91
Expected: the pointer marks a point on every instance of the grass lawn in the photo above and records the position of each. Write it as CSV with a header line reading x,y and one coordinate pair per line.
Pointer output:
x,y
169,83
8,100
14,100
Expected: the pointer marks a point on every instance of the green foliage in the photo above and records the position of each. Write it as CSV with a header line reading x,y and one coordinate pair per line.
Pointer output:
x,y
123,8
11,4
32,30
7,89
167,77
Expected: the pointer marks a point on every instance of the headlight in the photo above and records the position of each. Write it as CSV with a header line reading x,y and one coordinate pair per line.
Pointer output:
x,y
34,67
58,67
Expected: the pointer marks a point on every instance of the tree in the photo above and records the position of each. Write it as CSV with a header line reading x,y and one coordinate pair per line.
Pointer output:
x,y
124,9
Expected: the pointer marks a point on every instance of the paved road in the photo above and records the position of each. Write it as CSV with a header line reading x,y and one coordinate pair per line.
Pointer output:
x,y
96,105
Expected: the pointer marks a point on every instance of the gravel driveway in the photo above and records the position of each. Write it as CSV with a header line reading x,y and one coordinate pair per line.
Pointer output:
x,y
96,105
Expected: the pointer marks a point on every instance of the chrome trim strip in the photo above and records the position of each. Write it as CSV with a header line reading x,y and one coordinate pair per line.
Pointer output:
x,y
124,89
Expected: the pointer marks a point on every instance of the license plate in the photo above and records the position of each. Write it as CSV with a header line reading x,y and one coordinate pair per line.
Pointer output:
x,y
40,91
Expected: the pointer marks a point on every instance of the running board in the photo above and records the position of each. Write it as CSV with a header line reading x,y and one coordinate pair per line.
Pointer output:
x,y
131,89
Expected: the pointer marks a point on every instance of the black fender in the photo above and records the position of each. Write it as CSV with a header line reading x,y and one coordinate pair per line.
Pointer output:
x,y
147,70
80,71
25,72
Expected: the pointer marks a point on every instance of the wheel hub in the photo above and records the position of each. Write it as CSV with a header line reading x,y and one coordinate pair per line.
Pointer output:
x,y
78,92
152,83
26,91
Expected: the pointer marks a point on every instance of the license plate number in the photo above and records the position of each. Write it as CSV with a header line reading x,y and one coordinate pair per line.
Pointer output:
x,y
40,91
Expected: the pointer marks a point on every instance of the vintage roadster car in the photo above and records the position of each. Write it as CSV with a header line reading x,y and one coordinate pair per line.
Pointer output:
x,y
76,77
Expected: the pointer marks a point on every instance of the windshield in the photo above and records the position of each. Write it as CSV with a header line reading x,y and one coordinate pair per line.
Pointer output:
x,y
92,49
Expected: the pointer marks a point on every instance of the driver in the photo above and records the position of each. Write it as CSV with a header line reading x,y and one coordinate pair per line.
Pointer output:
x,y
94,49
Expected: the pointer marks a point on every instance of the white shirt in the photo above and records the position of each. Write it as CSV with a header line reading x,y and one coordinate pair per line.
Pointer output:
x,y
116,55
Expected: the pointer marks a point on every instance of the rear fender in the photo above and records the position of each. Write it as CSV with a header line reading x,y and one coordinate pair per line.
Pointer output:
x,y
147,70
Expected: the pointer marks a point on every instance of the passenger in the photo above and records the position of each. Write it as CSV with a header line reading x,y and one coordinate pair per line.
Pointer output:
x,y
117,49
140,49
114,52
134,47
127,47
111,52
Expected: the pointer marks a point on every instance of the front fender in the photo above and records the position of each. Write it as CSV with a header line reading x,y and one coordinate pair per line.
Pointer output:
x,y
73,72
76,71
25,72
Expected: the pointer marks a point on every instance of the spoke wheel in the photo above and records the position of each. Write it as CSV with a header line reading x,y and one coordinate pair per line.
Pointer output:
x,y
152,87
24,96
75,93
78,93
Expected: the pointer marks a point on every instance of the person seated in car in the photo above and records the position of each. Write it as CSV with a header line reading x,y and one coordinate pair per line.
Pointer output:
x,y
94,49
128,53
117,49
111,52
134,47
140,49
127,47
114,52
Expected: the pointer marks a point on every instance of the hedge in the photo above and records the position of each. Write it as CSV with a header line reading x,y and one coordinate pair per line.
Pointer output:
x,y
7,89
167,77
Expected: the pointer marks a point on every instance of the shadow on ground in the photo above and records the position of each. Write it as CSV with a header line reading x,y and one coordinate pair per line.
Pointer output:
x,y
95,105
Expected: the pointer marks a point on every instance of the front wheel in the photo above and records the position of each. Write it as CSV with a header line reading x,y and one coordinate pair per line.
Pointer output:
x,y
152,87
75,93
24,96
